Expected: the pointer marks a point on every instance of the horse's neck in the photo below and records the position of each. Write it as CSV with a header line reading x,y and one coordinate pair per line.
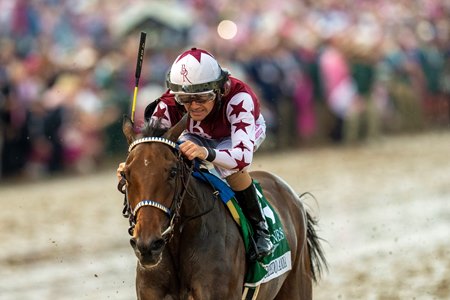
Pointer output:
x,y
198,215
200,199
199,209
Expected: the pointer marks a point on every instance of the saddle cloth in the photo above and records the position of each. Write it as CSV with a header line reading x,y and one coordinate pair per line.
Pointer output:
x,y
271,266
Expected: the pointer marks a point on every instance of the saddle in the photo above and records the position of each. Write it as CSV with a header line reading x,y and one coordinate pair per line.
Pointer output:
x,y
270,266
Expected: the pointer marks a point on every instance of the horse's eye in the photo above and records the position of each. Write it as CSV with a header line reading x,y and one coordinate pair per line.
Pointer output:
x,y
173,172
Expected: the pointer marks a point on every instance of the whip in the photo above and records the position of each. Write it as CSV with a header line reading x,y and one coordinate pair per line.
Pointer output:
x,y
137,75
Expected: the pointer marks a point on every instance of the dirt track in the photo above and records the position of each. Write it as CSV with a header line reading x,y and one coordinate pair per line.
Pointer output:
x,y
384,212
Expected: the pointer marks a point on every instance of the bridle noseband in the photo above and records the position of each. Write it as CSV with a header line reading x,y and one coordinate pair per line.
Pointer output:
x,y
174,211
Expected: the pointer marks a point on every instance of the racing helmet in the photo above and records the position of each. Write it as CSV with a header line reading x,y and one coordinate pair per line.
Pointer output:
x,y
196,71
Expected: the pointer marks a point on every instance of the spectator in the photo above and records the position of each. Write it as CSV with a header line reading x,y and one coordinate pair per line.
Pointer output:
x,y
300,55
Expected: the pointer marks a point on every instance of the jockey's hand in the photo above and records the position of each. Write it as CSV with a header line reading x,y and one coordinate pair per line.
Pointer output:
x,y
120,170
191,150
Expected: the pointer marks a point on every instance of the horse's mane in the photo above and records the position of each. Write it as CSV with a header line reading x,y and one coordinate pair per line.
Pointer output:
x,y
153,127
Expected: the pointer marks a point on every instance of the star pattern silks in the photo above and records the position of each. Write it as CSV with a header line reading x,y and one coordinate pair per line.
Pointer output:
x,y
196,53
241,163
160,112
241,125
239,122
242,146
237,109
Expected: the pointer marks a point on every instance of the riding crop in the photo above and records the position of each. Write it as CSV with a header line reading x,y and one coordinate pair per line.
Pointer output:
x,y
140,58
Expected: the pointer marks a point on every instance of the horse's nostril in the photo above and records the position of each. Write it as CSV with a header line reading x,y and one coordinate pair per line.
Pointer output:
x,y
133,242
146,248
157,244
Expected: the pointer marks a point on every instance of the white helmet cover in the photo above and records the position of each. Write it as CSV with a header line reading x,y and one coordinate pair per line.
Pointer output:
x,y
195,71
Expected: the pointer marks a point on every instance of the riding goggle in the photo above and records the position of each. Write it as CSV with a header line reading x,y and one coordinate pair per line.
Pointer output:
x,y
199,98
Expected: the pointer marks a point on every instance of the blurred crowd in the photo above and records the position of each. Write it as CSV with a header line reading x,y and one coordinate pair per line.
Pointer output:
x,y
326,71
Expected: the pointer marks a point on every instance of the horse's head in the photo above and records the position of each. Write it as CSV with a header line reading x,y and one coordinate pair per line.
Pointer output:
x,y
153,186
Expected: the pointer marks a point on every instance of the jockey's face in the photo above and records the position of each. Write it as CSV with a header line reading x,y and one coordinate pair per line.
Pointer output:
x,y
197,111
198,105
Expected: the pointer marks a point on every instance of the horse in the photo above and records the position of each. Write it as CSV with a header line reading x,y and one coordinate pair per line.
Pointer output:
x,y
186,242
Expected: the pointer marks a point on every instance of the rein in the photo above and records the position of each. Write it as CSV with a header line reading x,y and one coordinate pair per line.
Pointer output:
x,y
174,211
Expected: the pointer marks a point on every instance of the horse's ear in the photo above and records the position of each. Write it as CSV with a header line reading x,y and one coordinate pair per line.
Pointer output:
x,y
174,133
128,129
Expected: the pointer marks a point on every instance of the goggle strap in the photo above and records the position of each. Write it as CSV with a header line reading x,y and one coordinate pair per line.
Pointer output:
x,y
198,88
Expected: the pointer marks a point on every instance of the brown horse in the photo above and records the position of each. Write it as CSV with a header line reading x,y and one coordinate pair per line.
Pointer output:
x,y
187,244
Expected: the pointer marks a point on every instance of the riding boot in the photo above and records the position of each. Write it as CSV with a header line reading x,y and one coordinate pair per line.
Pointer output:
x,y
252,209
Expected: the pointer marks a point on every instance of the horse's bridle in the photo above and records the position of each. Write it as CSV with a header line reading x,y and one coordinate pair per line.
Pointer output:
x,y
174,211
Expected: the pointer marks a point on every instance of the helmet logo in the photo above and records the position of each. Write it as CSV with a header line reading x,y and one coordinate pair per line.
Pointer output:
x,y
184,72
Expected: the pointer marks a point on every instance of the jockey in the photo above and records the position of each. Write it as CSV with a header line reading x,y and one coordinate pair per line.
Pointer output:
x,y
225,127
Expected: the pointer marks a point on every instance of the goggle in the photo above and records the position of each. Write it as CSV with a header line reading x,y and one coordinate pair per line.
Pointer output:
x,y
199,98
